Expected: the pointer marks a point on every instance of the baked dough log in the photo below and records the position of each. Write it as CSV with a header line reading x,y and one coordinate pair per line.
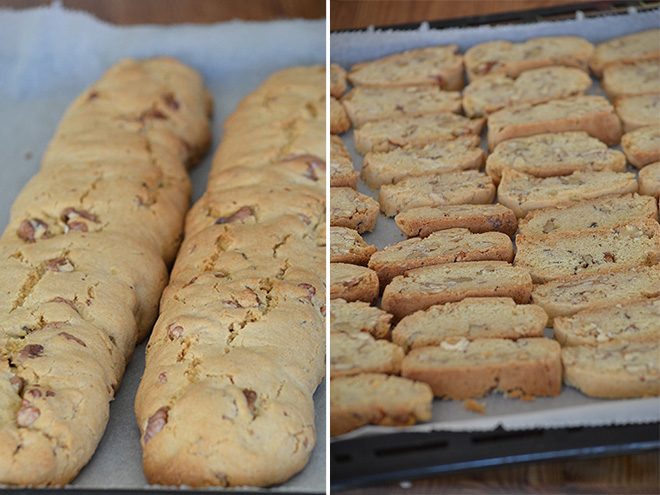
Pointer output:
x,y
84,261
238,348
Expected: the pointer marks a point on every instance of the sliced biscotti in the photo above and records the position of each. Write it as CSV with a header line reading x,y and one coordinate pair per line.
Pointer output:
x,y
422,221
514,58
364,104
339,122
523,193
649,180
638,110
564,297
472,369
495,91
638,321
565,254
423,287
353,283
377,399
433,65
591,114
342,173
347,246
633,78
355,353
349,208
358,316
472,318
386,135
588,214
550,154
445,246
390,167
625,49
337,80
642,146
617,370
469,186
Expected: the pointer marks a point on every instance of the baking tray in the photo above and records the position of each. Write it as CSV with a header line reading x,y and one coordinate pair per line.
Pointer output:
x,y
512,432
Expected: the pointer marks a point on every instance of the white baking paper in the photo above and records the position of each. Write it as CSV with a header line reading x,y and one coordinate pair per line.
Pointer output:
x,y
571,407
47,57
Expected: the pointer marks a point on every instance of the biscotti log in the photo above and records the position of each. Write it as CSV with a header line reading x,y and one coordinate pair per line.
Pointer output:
x,y
564,297
649,180
472,369
365,104
591,114
624,49
634,78
588,214
352,209
387,135
353,283
342,173
347,246
495,91
617,370
470,319
378,399
339,122
433,65
84,261
523,193
359,316
547,155
223,399
337,80
638,321
514,58
642,146
445,246
355,353
438,284
422,221
393,166
637,111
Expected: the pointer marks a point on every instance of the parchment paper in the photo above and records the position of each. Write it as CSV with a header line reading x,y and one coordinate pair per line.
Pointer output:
x,y
571,407
47,57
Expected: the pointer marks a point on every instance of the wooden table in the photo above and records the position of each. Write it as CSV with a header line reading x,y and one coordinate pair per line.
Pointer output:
x,y
624,474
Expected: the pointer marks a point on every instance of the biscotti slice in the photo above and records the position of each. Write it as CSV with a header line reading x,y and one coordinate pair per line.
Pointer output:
x,y
471,369
472,318
342,173
625,49
588,214
339,122
565,297
617,370
358,316
347,246
649,180
638,110
591,114
364,104
433,65
642,146
514,58
386,135
355,353
445,246
634,78
565,254
495,91
434,158
337,80
423,287
353,283
452,188
550,154
523,193
349,208
377,399
422,221
637,321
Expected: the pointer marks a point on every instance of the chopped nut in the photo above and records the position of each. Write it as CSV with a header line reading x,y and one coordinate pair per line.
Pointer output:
x,y
311,291
155,423
242,213
30,351
171,101
174,332
68,336
18,383
26,415
59,265
32,229
250,397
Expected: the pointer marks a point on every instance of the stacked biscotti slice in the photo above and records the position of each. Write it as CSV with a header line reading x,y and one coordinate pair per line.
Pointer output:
x,y
85,257
239,346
